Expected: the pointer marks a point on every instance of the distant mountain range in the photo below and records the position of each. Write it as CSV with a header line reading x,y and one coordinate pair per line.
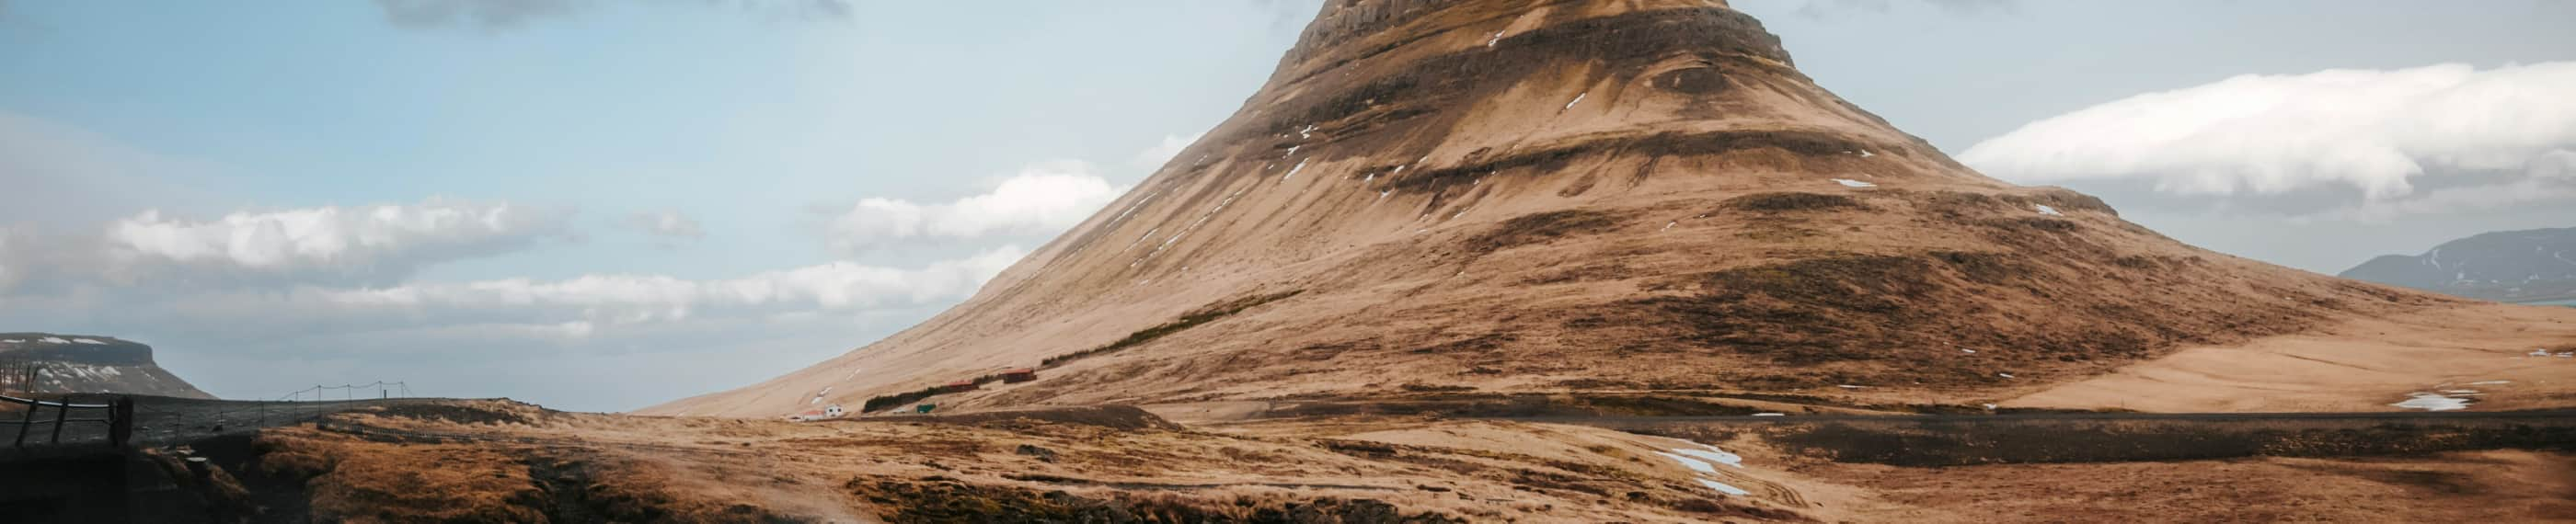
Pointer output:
x,y
85,364
2511,266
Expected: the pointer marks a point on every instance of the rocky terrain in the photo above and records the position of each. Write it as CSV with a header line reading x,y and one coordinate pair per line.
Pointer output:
x,y
491,461
1516,197
58,363
2512,266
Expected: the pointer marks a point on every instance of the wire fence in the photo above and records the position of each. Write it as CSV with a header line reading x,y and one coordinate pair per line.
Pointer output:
x,y
349,391
151,421
116,417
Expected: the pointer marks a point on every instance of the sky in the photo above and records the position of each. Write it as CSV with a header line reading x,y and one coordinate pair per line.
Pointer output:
x,y
600,205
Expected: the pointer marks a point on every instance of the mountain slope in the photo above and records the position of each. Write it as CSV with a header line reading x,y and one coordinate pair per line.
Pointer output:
x,y
2530,264
1595,196
87,364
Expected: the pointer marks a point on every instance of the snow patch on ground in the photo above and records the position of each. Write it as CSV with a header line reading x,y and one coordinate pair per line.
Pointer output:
x,y
2490,382
1498,38
1853,183
1770,414
1301,165
59,340
1692,463
2045,210
1721,487
2432,402
1578,98
1712,454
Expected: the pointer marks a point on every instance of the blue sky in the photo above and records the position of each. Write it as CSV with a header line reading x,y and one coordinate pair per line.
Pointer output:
x,y
596,205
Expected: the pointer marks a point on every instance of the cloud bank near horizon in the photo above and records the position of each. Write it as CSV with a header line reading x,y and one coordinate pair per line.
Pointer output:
x,y
2330,145
1043,198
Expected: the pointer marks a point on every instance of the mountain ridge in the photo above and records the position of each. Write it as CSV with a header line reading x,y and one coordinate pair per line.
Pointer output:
x,y
88,364
2489,266
1542,197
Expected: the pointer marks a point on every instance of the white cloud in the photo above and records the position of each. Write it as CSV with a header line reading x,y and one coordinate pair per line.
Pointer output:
x,y
667,227
567,308
2379,136
368,243
627,299
1154,157
1042,199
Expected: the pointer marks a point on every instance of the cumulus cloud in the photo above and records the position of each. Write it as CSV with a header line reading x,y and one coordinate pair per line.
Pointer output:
x,y
668,228
520,307
496,15
377,243
1155,157
1042,199
2355,143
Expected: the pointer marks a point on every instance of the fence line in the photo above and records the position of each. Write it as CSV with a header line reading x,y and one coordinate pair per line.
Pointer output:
x,y
348,391
119,421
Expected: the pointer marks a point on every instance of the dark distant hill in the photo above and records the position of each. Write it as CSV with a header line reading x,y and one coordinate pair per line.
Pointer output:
x,y
85,364
2513,266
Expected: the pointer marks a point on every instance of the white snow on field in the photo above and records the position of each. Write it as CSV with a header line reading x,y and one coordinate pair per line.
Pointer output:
x,y
1131,208
1149,233
1381,195
88,341
2490,382
1309,131
12,341
1849,386
1669,225
2540,352
1968,351
1721,487
1301,165
1372,177
1498,37
1853,183
2004,375
1866,154
1692,463
2432,402
1292,151
1578,98
1712,454
1770,414
2460,392
2045,210
59,340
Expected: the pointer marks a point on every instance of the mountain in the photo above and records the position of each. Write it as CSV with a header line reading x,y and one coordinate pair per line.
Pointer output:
x,y
86,364
1569,197
2513,266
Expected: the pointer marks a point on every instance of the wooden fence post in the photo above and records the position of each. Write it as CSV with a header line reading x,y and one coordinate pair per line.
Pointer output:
x,y
62,411
120,421
25,424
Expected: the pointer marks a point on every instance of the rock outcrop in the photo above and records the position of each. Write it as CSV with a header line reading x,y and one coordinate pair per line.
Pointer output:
x,y
56,363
